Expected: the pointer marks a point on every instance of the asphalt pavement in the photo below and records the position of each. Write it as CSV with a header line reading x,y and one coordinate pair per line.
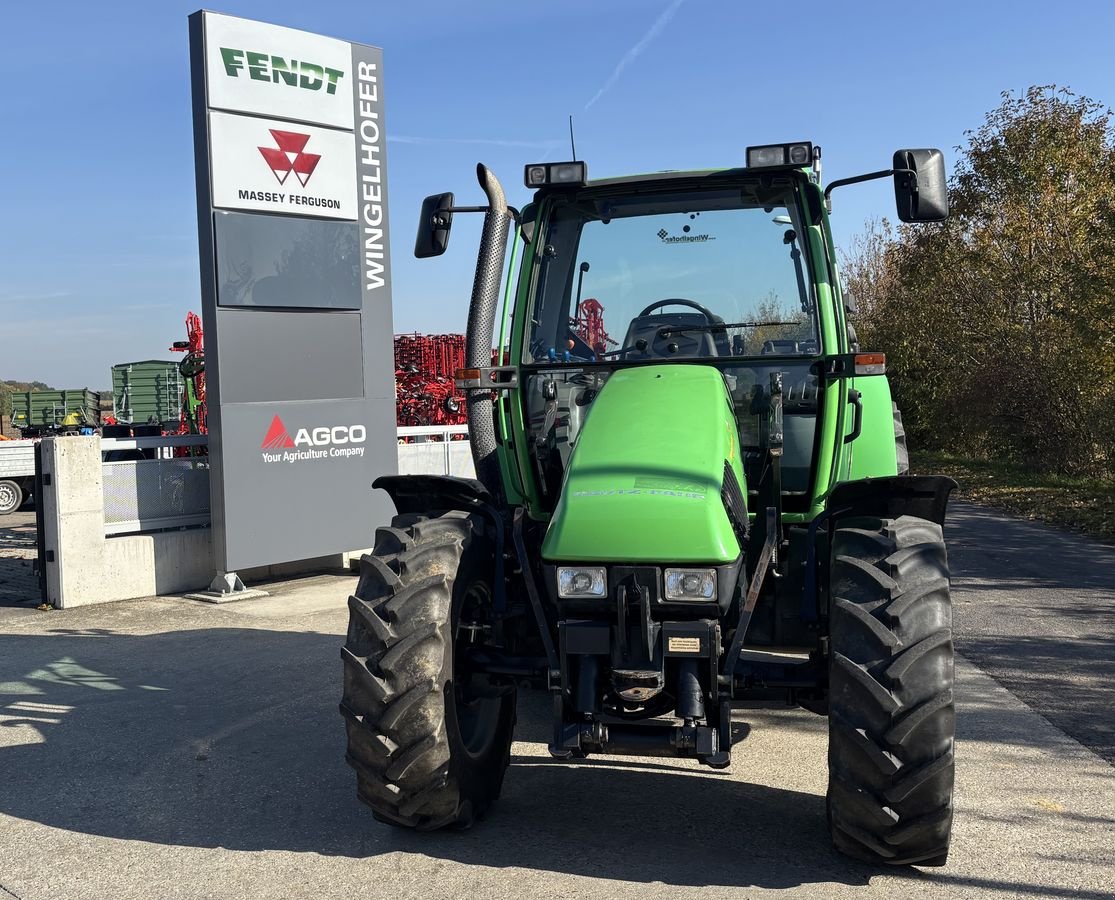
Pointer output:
x,y
1035,608
166,748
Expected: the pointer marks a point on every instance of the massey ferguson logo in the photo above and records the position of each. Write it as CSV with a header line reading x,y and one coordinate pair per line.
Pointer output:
x,y
288,156
321,442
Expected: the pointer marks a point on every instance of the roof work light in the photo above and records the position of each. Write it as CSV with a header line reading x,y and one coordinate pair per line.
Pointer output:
x,y
572,173
800,154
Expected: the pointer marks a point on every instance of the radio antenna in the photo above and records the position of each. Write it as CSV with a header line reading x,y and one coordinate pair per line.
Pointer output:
x,y
572,145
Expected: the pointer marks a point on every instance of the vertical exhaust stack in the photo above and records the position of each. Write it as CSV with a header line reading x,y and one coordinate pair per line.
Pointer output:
x,y
481,324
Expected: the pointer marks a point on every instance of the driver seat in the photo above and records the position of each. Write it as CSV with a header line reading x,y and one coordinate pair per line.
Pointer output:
x,y
690,343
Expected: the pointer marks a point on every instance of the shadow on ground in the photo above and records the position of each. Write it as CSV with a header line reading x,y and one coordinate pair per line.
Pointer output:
x,y
230,737
1007,553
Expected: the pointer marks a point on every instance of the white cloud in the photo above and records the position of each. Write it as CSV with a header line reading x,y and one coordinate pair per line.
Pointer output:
x,y
34,298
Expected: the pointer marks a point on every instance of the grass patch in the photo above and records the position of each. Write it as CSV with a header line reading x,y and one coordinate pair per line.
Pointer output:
x,y
1086,505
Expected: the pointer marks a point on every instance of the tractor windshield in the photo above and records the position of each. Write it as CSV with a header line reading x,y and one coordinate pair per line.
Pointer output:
x,y
709,274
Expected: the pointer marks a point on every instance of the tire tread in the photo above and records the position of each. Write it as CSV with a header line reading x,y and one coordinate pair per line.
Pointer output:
x,y
395,680
891,719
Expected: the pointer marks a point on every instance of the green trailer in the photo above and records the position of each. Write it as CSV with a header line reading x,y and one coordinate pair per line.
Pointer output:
x,y
147,392
38,411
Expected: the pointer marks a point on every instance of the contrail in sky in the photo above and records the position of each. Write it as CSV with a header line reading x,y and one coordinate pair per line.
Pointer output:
x,y
630,56
489,142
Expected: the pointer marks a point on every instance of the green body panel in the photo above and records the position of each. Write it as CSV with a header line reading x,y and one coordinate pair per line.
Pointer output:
x,y
517,494
643,483
518,472
832,418
872,454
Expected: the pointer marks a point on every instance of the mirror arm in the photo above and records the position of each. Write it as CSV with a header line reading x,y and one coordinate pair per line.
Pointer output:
x,y
439,221
870,176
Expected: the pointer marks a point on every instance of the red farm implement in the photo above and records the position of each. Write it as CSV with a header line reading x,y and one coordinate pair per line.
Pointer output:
x,y
192,368
425,393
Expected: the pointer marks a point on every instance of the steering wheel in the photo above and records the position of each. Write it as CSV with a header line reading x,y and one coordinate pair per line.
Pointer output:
x,y
679,301
641,345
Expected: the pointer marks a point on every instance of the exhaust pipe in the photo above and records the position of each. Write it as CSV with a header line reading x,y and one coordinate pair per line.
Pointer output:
x,y
481,324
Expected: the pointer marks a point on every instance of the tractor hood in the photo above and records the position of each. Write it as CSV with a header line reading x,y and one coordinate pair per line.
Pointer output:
x,y
644,481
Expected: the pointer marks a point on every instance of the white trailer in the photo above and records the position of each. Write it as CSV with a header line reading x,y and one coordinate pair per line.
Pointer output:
x,y
17,474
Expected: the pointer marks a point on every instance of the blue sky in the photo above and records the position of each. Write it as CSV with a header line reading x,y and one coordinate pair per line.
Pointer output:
x,y
98,246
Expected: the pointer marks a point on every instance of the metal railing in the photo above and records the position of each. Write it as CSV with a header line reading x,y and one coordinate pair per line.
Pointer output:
x,y
435,450
147,487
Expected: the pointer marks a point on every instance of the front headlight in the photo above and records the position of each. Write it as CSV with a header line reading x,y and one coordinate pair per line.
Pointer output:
x,y
690,584
581,581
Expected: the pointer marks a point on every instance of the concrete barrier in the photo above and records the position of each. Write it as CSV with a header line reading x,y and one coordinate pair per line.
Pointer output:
x,y
85,565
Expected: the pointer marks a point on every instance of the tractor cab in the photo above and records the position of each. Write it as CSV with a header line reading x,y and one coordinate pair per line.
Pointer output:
x,y
718,269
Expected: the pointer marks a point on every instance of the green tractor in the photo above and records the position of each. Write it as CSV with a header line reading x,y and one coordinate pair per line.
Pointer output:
x,y
691,497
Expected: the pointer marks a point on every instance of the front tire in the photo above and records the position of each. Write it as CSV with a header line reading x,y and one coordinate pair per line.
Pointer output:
x,y
891,713
429,742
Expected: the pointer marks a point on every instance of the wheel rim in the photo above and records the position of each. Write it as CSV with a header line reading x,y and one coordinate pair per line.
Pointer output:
x,y
477,713
7,498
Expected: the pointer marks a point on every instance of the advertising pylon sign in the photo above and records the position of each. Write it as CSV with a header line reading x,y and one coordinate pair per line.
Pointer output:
x,y
289,143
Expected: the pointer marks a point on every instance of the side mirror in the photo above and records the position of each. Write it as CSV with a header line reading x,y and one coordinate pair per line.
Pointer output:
x,y
527,223
434,223
923,196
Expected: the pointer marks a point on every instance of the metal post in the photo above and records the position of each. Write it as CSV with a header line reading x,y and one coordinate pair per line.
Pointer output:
x,y
41,484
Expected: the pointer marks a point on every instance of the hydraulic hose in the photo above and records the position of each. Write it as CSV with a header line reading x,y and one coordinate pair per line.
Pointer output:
x,y
481,324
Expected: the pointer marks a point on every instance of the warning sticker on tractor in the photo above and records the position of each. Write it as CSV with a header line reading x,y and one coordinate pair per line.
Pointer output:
x,y
273,166
683,645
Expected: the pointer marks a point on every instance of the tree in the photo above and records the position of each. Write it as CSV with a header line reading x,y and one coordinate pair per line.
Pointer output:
x,y
999,325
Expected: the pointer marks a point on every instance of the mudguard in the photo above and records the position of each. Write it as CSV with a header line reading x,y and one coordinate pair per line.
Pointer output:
x,y
423,493
924,496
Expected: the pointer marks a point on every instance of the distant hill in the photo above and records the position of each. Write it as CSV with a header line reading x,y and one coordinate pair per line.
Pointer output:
x,y
23,386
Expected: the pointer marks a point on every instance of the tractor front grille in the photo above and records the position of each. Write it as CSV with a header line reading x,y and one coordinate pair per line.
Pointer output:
x,y
735,504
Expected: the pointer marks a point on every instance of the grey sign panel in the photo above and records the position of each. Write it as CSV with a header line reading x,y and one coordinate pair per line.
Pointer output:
x,y
287,261
308,468
305,356
296,292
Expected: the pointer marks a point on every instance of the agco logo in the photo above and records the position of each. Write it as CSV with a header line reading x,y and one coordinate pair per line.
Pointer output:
x,y
321,442
290,156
